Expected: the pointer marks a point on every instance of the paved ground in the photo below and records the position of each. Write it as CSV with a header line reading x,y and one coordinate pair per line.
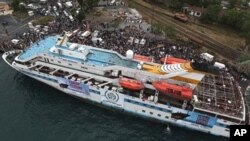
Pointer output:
x,y
14,27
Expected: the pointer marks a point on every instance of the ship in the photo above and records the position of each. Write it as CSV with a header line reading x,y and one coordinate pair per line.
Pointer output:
x,y
170,93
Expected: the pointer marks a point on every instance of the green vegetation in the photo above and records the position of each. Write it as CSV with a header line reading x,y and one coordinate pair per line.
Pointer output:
x,y
16,6
43,20
244,57
167,30
244,67
116,23
80,16
87,4
211,14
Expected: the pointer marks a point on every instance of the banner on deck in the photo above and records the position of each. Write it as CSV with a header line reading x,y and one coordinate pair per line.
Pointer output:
x,y
74,85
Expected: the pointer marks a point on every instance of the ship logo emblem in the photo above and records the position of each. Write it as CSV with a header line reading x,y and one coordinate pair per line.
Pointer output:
x,y
113,97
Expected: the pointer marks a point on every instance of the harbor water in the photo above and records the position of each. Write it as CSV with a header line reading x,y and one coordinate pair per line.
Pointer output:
x,y
33,111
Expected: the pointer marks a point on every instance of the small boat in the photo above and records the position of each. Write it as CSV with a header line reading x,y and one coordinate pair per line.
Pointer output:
x,y
131,84
179,92
173,60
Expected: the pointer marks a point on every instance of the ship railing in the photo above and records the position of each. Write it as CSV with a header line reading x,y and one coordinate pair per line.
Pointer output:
x,y
103,84
87,79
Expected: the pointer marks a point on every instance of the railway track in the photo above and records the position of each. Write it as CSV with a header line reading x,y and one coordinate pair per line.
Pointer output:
x,y
182,28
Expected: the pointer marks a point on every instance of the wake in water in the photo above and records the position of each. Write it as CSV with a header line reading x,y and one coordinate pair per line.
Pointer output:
x,y
167,130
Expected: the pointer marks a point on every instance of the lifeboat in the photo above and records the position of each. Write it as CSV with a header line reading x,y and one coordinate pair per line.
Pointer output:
x,y
131,84
143,58
173,60
179,92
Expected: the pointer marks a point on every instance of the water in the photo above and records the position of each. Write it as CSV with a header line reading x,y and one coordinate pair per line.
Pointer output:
x,y
32,111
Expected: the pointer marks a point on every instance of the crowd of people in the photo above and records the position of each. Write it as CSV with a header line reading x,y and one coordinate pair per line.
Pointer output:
x,y
118,40
155,46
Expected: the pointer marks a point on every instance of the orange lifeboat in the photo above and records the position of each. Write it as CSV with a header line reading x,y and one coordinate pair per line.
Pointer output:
x,y
179,92
131,84
142,58
173,60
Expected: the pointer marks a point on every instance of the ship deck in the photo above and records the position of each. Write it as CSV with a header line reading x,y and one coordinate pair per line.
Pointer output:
x,y
97,57
219,94
41,46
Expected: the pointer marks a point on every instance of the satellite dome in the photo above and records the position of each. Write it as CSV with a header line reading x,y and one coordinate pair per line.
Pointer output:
x,y
130,54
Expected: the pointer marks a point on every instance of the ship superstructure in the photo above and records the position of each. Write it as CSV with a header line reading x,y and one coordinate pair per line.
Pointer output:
x,y
170,93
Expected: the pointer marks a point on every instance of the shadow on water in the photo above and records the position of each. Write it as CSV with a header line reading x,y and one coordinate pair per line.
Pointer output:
x,y
39,112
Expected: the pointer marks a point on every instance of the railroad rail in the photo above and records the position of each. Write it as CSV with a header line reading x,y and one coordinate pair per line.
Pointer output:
x,y
163,17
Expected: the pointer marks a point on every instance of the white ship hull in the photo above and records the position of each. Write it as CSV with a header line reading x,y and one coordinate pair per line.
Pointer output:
x,y
136,106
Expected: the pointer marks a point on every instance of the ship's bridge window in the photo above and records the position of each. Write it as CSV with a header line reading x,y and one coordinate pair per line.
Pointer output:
x,y
151,113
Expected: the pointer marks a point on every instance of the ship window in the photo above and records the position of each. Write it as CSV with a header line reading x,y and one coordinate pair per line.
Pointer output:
x,y
151,113
166,117
159,115
143,111
70,64
203,112
51,60
229,119
59,62
127,100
